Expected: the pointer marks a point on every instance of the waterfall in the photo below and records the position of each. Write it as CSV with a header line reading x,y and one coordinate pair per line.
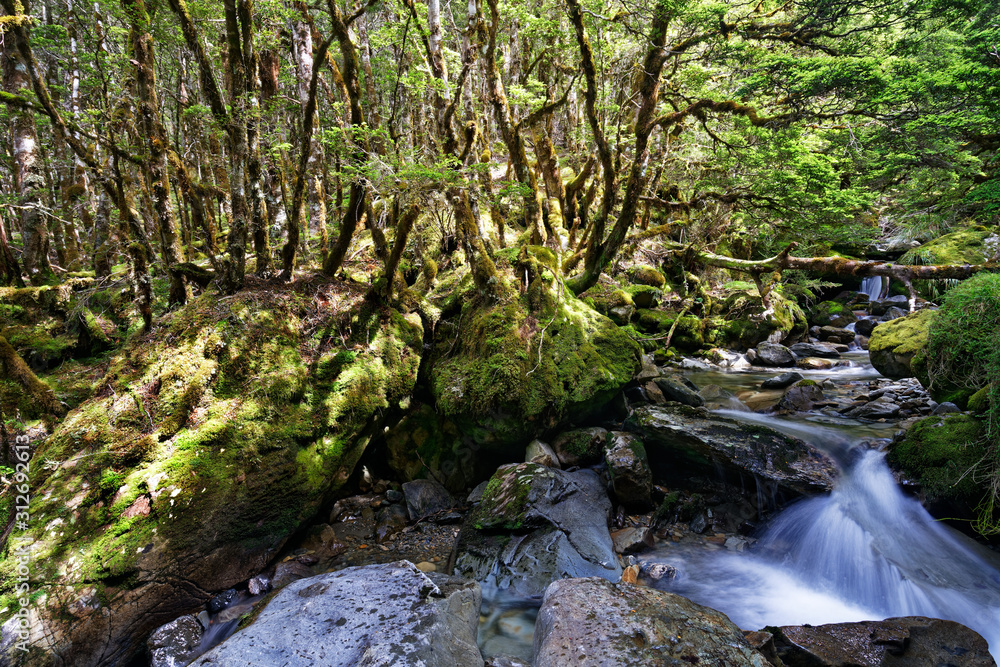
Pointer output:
x,y
866,551
876,287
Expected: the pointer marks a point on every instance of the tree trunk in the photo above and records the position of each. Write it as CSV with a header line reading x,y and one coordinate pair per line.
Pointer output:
x,y
30,182
156,141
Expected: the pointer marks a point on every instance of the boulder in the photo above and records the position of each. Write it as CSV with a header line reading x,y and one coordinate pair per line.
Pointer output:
x,y
894,313
879,308
534,525
371,615
425,497
894,346
831,313
865,326
814,364
801,397
631,478
683,440
823,350
391,520
176,643
680,389
205,446
540,452
593,622
914,641
773,354
580,447
840,335
643,274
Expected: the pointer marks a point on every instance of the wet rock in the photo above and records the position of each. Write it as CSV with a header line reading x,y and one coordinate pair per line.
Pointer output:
x,y
801,397
425,497
815,364
773,354
693,439
580,447
822,350
596,622
657,571
541,453
781,381
393,496
259,584
831,313
391,520
222,600
878,308
893,313
877,409
648,371
718,398
289,571
507,661
628,467
560,524
377,614
176,643
679,389
633,540
945,408
864,327
760,401
836,335
913,641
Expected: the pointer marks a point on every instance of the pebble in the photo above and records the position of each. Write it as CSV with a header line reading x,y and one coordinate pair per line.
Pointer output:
x,y
426,566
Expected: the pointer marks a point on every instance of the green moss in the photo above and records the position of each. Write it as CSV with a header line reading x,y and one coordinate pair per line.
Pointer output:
x,y
979,402
505,499
688,336
939,453
647,275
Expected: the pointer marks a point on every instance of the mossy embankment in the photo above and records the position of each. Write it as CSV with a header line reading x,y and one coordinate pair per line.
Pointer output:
x,y
207,443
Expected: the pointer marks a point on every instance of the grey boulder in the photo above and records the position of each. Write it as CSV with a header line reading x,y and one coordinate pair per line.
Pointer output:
x,y
373,615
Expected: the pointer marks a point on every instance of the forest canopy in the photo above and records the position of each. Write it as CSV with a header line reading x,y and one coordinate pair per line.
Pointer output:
x,y
198,141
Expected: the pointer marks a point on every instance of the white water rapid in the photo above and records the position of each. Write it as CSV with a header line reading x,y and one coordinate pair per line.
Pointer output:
x,y
864,552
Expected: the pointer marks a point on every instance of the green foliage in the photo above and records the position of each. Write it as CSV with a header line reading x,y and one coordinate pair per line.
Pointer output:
x,y
962,359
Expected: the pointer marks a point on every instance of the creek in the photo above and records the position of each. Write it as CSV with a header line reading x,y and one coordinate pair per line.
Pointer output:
x,y
865,551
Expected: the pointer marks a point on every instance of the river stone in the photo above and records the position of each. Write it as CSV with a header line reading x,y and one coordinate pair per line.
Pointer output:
x,y
176,643
913,641
675,388
773,354
864,327
801,397
631,478
840,335
881,408
559,522
372,615
681,438
580,447
391,520
822,350
592,622
781,381
945,408
425,497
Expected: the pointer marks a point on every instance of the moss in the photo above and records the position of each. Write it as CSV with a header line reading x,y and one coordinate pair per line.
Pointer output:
x,y
831,313
504,502
939,452
646,275
688,336
896,348
979,402
968,245
220,420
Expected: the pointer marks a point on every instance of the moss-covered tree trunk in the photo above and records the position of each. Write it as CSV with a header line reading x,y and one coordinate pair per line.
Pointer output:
x,y
39,394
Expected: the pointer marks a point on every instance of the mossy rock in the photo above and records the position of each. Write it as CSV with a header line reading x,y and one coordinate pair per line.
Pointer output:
x,y
938,452
689,335
744,323
506,371
612,302
897,348
643,274
205,446
972,244
831,313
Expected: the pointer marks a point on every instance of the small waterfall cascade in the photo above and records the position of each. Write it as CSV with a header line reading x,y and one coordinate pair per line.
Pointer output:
x,y
876,287
866,551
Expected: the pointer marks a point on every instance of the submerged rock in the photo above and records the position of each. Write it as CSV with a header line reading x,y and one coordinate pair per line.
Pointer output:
x,y
781,381
913,641
680,389
534,525
680,440
372,615
591,622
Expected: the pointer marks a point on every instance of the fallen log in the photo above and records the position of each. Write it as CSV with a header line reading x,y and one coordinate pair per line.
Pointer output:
x,y
839,267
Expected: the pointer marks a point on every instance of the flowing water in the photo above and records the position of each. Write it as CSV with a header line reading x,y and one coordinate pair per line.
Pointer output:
x,y
866,551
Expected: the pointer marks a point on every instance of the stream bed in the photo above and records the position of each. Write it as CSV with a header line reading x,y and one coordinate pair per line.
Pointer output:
x,y
865,551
